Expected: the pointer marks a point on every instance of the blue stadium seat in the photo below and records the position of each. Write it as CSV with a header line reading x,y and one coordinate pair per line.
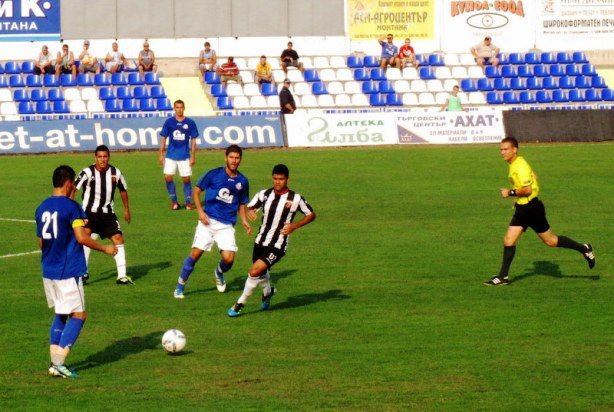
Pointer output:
x,y
152,78
485,85
157,92
371,61
217,90
112,106
268,89
503,59
576,95
21,95
25,108
4,82
12,68
224,103
510,98
421,58
567,82
579,57
607,95
564,58
84,80
369,87
516,58
377,100
106,93
493,98
129,105
361,74
589,70
67,80
102,79
34,80
519,83
385,86
118,79
44,107
593,95
583,82
147,105
60,106
16,81
525,71
469,85
164,104
526,97
598,82
501,84
212,78
534,83
532,58
1,68
393,99
38,95
140,92
27,67
548,58
540,70
135,79
427,73
54,95
508,71
377,74
491,72
573,70
556,70
123,92
354,62
543,96
318,88
560,96
311,75
551,83
436,60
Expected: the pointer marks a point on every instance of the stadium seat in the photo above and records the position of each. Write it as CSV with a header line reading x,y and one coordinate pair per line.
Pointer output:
x,y
320,62
268,89
141,92
451,59
418,86
459,72
410,73
369,87
77,106
503,59
540,70
54,94
607,95
393,99
576,95
434,85
567,82
311,75
164,104
15,80
60,106
3,82
318,88
493,98
491,72
573,70
152,78
510,98
409,99
385,87
426,73
422,59
588,70
343,100
519,83
12,68
349,87
273,102
502,84
556,70
251,89
337,62
112,106
436,60
102,79
234,89
8,109
34,80
84,79
371,61
477,98
157,92
583,82
1,68
550,83
294,76
259,102
361,74
426,99
516,58
123,92
135,79
534,83
485,85
442,73
359,100
377,74
21,95
355,62
147,105
6,96
579,57
401,86
564,58
308,101
593,95
242,102
525,71
469,85
345,75
548,58
598,82
68,80
107,93
118,79
532,58
475,72
377,100
89,93
25,108
441,97
543,96
329,75
393,73
224,103
301,89
560,96
71,93
326,100
526,97
95,106
217,90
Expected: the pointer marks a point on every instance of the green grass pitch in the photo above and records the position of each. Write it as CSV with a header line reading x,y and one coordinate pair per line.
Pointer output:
x,y
380,303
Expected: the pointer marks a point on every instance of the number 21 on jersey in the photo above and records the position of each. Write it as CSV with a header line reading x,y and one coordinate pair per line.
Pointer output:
x,y
50,219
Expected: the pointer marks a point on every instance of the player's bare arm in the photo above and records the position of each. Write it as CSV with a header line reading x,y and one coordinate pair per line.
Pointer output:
x,y
523,191
252,213
202,216
84,239
124,195
162,148
291,227
244,221
193,152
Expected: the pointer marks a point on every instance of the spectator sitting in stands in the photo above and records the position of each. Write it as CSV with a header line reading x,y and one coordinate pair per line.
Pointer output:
x,y
389,52
88,62
115,60
44,63
407,55
207,60
229,71
65,62
485,53
147,60
263,72
289,57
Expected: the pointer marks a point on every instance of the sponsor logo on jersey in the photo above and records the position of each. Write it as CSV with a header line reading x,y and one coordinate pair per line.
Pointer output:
x,y
178,135
239,186
224,196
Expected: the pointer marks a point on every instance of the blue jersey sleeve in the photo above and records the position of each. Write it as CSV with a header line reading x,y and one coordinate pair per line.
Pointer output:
x,y
205,180
193,130
165,129
245,193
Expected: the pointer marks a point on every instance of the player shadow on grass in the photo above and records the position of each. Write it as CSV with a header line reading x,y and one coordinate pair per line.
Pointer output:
x,y
238,282
119,350
309,299
135,272
545,268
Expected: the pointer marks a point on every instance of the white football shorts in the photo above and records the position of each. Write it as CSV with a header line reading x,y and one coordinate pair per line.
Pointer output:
x,y
171,166
215,232
65,294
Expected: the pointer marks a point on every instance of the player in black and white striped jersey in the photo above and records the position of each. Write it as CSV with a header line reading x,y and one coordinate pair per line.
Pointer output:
x,y
279,205
99,182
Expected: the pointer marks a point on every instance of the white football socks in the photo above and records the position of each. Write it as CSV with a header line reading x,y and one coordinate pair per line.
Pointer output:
x,y
120,261
250,284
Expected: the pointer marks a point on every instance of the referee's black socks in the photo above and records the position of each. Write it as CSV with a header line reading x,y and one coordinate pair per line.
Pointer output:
x,y
508,256
568,243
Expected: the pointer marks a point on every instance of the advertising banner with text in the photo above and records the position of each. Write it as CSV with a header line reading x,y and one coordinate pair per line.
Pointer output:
x,y
29,20
125,134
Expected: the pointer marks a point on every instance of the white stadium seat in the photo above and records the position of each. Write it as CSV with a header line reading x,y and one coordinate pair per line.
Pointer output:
x,y
326,100
451,59
410,73
8,109
475,72
338,62
410,99
359,100
302,89
418,86
449,84
320,62
345,75
240,62
95,106
89,93
307,63
77,106
459,72
309,101
247,76
476,98
240,102
71,93
335,88
252,62
279,75
393,74
234,89
251,89
273,102
401,86
258,102
467,59
5,95
434,86
328,75
343,100
443,73
463,98
426,99
352,87
295,76
441,97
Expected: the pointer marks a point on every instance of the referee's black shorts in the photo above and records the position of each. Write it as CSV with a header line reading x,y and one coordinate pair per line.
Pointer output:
x,y
103,224
532,215
267,254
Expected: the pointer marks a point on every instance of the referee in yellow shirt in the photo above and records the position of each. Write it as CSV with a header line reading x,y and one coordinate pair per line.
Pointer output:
x,y
530,212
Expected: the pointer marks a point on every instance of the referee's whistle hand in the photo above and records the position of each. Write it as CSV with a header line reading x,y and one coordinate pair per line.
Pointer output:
x,y
505,192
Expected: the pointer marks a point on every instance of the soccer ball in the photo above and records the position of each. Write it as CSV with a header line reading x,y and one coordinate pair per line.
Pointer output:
x,y
173,340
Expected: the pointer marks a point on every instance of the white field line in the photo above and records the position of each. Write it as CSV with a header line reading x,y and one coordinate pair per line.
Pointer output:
x,y
20,254
16,220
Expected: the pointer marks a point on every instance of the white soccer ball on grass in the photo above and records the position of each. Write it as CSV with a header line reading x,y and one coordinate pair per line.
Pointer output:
x,y
173,340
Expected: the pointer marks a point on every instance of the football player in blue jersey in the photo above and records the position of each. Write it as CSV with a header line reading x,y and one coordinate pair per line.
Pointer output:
x,y
179,139
60,228
226,192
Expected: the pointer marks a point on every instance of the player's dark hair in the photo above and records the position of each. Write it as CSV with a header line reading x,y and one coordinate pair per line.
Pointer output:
x,y
207,43
233,148
511,140
61,174
178,101
281,170
263,57
102,148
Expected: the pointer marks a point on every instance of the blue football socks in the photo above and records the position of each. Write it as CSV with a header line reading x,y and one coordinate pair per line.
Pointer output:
x,y
71,332
172,192
186,270
187,191
57,327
